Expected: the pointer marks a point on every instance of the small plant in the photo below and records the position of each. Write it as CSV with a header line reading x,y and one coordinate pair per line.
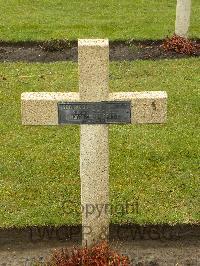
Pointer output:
x,y
180,45
99,255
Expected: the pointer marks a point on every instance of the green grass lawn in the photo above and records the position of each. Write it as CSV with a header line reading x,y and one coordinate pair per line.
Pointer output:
x,y
119,19
156,164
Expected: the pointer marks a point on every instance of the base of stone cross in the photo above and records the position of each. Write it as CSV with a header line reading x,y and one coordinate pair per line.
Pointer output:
x,y
94,169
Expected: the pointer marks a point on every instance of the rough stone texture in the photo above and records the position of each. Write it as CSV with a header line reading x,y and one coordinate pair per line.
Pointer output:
x,y
93,58
183,10
93,61
40,108
146,107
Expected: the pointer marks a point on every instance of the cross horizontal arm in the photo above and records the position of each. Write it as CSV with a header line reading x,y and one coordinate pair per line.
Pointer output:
x,y
40,108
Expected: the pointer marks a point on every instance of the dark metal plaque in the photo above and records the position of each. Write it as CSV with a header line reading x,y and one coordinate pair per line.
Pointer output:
x,y
108,112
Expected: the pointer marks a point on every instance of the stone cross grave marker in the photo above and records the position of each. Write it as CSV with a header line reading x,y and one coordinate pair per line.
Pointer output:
x,y
94,108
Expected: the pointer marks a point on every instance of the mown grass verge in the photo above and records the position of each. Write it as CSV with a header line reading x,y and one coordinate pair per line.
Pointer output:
x,y
154,165
121,19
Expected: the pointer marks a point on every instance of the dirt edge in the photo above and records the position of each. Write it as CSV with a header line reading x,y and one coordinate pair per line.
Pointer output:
x,y
65,50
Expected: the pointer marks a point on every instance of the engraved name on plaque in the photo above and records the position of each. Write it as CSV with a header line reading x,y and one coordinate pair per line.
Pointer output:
x,y
106,112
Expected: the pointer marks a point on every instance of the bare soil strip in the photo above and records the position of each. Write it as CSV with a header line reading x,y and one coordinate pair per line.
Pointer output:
x,y
61,50
145,245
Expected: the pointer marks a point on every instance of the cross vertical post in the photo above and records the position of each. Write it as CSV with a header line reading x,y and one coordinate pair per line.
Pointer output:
x,y
93,60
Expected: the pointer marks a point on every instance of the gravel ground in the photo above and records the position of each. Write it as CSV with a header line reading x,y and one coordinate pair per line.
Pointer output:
x,y
145,246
